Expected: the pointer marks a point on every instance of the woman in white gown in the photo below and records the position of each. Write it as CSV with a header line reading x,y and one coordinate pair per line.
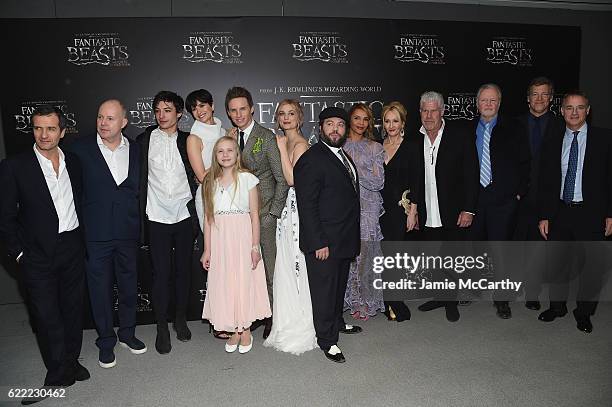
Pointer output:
x,y
292,325
205,132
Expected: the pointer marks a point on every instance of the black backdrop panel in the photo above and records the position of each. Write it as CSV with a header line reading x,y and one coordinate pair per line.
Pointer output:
x,y
77,63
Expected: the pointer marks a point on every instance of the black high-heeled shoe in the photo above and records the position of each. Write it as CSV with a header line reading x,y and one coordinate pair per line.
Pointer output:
x,y
397,311
218,334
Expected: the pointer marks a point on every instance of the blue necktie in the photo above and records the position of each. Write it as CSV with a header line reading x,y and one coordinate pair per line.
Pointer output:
x,y
572,166
485,165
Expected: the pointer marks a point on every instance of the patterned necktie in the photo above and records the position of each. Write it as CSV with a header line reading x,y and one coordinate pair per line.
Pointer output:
x,y
485,166
241,142
572,166
348,168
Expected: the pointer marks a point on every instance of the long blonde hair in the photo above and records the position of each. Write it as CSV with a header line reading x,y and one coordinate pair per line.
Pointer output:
x,y
209,184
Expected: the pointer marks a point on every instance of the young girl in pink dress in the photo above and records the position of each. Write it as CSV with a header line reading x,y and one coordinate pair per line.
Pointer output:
x,y
237,293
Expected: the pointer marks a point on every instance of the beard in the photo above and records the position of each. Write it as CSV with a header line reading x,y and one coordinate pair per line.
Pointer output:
x,y
331,143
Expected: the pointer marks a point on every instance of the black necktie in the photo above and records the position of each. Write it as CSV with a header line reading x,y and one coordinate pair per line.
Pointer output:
x,y
348,168
241,142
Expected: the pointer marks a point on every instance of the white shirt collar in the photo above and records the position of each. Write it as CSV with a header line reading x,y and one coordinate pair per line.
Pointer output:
x,y
440,131
46,163
583,130
122,143
249,129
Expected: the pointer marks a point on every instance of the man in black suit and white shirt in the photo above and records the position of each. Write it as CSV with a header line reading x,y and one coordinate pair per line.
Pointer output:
x,y
447,185
575,201
39,224
327,190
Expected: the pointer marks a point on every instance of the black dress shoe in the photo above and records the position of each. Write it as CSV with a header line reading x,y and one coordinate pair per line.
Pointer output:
x,y
183,333
452,313
503,309
430,305
583,323
337,357
350,329
81,373
162,342
267,328
552,313
533,305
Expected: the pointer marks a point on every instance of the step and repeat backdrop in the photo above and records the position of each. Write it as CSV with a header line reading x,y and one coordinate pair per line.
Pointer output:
x,y
77,63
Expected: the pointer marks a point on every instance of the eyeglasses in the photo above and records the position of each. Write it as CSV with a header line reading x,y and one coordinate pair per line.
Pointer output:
x,y
432,149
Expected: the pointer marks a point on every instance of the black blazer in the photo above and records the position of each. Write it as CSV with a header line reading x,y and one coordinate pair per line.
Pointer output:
x,y
110,211
509,149
457,174
327,202
596,178
553,126
181,142
28,219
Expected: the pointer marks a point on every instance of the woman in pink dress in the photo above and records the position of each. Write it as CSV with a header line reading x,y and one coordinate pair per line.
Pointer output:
x,y
237,293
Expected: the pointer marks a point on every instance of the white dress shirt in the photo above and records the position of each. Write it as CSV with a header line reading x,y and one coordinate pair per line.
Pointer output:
x,y
430,156
246,132
118,161
168,188
60,189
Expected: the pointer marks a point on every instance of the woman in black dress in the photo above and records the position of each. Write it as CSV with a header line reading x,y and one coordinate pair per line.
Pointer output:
x,y
399,161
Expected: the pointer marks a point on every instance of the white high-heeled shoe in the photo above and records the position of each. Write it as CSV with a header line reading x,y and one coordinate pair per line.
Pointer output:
x,y
231,348
246,348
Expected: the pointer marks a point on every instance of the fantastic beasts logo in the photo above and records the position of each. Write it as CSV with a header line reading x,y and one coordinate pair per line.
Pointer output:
x,y
98,48
218,47
25,110
461,106
513,51
320,46
424,48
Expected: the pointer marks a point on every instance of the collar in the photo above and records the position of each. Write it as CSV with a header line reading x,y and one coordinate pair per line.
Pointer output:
x,y
160,133
249,128
44,160
440,130
583,130
335,150
491,122
122,143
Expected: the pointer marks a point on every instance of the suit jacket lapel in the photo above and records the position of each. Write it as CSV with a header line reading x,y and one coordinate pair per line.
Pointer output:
x,y
336,161
39,181
96,154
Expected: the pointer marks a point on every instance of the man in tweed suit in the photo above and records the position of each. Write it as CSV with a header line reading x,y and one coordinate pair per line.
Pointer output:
x,y
261,156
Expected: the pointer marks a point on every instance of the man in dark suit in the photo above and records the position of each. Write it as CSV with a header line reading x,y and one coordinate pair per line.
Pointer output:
x,y
167,212
575,201
537,124
503,154
447,184
111,167
261,156
39,224
327,191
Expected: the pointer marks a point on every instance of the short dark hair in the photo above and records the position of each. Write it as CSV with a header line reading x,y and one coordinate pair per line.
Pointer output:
x,y
238,92
169,97
575,92
200,95
47,110
539,81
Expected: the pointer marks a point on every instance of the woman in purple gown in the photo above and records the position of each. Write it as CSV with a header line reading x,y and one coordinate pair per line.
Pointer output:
x,y
361,299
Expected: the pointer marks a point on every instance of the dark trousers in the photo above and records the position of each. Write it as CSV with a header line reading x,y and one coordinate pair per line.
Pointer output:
x,y
55,288
327,280
445,234
163,238
107,262
579,260
527,231
495,222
